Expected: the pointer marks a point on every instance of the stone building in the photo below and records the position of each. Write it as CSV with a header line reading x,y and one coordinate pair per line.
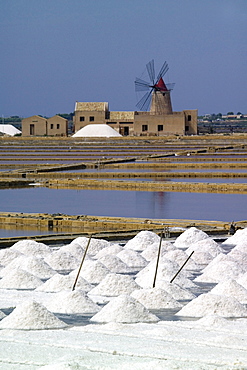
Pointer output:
x,y
40,126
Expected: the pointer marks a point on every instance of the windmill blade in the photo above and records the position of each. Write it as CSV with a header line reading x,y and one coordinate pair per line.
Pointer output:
x,y
141,85
144,103
151,72
163,71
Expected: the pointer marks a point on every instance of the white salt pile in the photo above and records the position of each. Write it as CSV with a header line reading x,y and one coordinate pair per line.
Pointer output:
x,y
239,237
151,251
208,304
142,240
155,299
8,255
19,279
115,264
96,130
35,266
231,288
93,271
190,236
112,249
178,293
72,302
60,282
114,285
31,315
31,248
75,249
239,256
243,280
132,258
124,309
60,260
212,320
207,245
180,257
95,244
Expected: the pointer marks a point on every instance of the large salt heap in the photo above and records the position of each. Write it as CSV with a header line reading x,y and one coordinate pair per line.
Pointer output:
x,y
60,260
142,240
114,264
190,236
95,244
231,288
96,130
132,258
19,279
114,285
31,248
60,282
155,299
92,271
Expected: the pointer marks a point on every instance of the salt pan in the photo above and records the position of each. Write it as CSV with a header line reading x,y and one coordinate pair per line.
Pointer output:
x,y
124,309
155,298
115,284
142,240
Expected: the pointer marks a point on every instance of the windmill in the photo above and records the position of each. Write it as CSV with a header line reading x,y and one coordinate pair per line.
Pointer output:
x,y
157,96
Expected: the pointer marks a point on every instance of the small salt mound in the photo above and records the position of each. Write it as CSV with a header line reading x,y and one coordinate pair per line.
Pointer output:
x,y
178,293
151,251
60,260
241,247
124,309
114,285
132,258
180,257
142,240
95,244
112,249
190,236
115,264
208,304
31,248
155,299
231,288
75,249
243,280
202,258
35,266
60,282
8,255
31,315
207,245
96,130
19,279
72,302
240,236
239,257
93,271
212,320
220,271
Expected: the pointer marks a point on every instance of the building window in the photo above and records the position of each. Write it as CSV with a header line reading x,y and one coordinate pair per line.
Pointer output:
x,y
31,129
51,126
189,117
160,128
58,126
186,128
91,118
144,128
82,119
111,123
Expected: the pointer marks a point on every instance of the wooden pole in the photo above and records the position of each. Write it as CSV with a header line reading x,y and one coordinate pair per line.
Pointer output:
x,y
181,267
158,257
83,258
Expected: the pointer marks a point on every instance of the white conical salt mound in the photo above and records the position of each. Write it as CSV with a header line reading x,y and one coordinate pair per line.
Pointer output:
x,y
239,257
31,315
72,302
124,309
240,236
114,285
8,255
93,271
178,293
142,240
96,130
151,251
19,279
59,260
189,237
212,320
75,249
132,258
208,304
35,266
207,245
180,257
243,280
115,264
231,288
60,282
31,248
112,249
201,258
155,299
95,244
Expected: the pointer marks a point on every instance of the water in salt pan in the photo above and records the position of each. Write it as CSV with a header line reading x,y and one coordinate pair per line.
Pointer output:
x,y
132,258
93,271
60,260
60,282
124,309
19,279
8,255
31,248
114,285
155,299
142,240
115,264
95,244
151,251
31,315
189,237
208,304
72,302
231,288
112,249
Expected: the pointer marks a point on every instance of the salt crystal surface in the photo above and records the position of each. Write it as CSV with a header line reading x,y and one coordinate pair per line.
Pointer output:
x,y
60,260
240,236
20,279
31,315
115,264
212,320
190,236
155,298
202,258
231,288
60,282
221,271
96,130
175,290
243,280
31,248
36,266
180,257
93,271
75,249
115,284
151,251
124,309
95,244
8,255
208,304
112,249
132,258
72,302
205,245
239,257
142,240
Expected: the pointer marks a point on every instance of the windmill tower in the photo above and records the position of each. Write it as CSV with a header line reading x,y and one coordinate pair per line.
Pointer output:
x,y
157,97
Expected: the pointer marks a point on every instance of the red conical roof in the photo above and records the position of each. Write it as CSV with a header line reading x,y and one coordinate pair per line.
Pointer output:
x,y
161,86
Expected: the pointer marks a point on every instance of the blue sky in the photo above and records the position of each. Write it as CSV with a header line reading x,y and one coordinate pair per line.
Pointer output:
x,y
56,52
